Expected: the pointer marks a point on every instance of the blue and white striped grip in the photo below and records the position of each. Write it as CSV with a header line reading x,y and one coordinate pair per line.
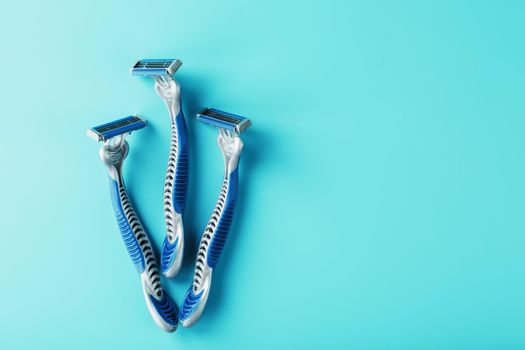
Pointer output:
x,y
216,233
160,305
225,220
177,174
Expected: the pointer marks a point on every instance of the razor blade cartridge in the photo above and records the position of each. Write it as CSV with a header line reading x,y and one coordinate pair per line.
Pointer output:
x,y
224,120
117,127
155,67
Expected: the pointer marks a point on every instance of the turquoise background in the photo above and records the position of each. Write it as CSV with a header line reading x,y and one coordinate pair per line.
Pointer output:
x,y
382,183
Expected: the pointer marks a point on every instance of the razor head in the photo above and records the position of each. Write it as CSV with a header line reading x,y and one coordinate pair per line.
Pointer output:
x,y
115,128
156,67
224,120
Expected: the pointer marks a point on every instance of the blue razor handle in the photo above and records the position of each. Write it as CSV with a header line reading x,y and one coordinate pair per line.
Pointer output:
x,y
216,231
177,176
161,307
177,173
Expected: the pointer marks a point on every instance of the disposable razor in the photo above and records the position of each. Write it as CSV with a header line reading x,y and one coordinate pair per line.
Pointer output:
x,y
218,227
177,173
113,152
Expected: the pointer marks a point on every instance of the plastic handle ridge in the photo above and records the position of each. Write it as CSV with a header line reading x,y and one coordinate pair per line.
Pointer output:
x,y
160,305
215,234
177,178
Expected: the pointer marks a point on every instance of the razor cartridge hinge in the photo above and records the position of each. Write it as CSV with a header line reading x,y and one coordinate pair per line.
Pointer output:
x,y
155,67
118,127
224,120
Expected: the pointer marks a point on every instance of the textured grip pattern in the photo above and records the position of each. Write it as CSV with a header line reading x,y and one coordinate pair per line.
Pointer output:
x,y
135,238
207,235
166,309
177,174
190,302
168,254
223,227
127,234
183,165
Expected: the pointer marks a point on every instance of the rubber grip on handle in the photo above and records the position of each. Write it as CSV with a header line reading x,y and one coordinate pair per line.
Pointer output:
x,y
196,297
225,220
182,168
160,305
176,190
128,236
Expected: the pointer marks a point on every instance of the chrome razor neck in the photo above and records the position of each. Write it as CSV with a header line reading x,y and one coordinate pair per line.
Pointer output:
x,y
231,147
169,90
113,153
